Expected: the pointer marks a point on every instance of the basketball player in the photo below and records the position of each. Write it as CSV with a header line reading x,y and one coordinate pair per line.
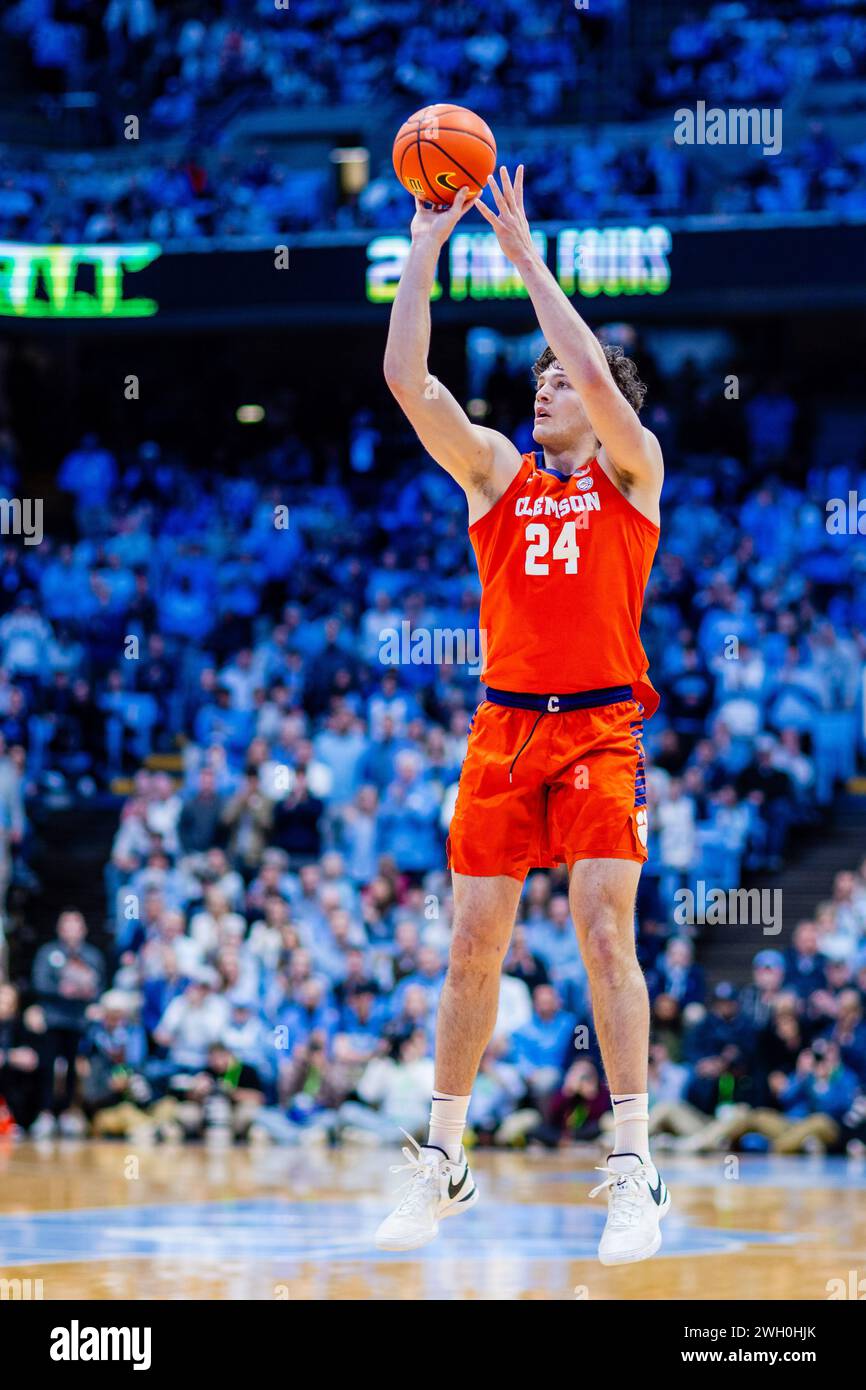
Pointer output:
x,y
554,771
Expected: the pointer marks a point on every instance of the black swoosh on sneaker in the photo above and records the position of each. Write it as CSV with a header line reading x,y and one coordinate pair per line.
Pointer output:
x,y
657,1193
452,1190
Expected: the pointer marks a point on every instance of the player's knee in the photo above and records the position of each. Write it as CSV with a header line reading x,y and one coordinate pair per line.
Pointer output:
x,y
608,947
476,949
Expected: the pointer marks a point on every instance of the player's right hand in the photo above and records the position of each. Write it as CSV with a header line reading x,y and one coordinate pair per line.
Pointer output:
x,y
434,222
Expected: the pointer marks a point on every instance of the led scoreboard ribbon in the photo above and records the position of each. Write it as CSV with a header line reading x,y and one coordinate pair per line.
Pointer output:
x,y
588,261
655,269
76,281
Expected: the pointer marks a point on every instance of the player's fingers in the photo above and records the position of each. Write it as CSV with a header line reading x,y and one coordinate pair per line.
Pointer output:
x,y
518,186
486,213
497,196
458,207
507,190
466,198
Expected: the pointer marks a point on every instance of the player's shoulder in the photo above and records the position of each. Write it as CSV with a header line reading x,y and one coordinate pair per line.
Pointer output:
x,y
503,462
644,462
505,458
500,442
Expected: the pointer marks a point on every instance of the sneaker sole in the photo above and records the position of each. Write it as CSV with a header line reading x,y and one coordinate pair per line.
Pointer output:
x,y
405,1243
635,1256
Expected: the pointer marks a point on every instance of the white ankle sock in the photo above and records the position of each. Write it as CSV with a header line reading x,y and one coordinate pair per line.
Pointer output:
x,y
631,1124
447,1122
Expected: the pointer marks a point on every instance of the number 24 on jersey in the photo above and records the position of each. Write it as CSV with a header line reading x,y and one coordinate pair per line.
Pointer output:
x,y
566,548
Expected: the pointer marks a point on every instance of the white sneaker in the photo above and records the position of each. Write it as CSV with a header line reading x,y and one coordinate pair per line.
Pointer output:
x,y
44,1126
437,1187
72,1124
637,1199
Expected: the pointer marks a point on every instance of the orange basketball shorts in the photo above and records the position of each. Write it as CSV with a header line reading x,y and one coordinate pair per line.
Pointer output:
x,y
538,790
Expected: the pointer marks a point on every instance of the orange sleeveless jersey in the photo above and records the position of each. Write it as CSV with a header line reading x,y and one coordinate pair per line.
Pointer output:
x,y
564,563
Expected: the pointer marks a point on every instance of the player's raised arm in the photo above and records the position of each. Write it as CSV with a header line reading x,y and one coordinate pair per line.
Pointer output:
x,y
632,450
481,460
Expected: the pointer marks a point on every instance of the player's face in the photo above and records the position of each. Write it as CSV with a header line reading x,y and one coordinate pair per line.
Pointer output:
x,y
560,419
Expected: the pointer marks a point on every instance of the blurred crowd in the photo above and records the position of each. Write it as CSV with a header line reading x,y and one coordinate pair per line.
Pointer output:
x,y
499,54
500,57
279,911
735,55
297,1007
258,196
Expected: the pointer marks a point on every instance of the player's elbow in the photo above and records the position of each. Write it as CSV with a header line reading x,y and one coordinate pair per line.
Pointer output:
x,y
397,384
402,378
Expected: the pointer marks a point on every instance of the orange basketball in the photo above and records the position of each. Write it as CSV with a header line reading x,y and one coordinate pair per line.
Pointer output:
x,y
441,149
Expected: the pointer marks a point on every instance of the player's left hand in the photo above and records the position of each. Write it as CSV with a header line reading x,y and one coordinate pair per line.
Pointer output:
x,y
511,227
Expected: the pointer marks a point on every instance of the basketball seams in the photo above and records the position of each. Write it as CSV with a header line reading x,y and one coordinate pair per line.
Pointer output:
x,y
443,110
409,133
448,155
421,119
470,135
412,133
455,160
430,187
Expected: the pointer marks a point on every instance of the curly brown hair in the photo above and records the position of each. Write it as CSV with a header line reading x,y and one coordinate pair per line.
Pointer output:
x,y
622,369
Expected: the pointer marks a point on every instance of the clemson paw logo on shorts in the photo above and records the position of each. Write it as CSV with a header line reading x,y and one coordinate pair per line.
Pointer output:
x,y
641,825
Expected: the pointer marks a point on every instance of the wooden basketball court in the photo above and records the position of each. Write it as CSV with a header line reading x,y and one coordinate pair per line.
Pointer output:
x,y
112,1221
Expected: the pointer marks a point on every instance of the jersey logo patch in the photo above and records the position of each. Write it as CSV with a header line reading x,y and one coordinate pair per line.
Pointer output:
x,y
584,484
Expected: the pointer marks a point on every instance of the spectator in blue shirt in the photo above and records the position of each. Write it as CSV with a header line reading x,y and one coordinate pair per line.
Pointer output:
x,y
362,1019
341,746
822,1083
429,976
849,1032
542,1049
554,941
676,974
409,818
309,1011
220,723
805,966
90,473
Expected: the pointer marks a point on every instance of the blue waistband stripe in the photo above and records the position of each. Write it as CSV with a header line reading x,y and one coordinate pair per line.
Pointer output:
x,y
560,704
